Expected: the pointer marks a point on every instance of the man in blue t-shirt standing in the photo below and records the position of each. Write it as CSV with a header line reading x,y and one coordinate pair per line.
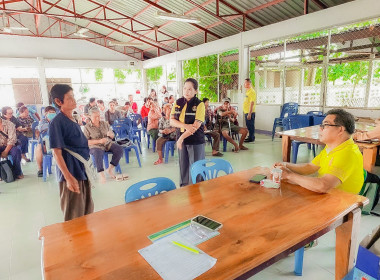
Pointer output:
x,y
65,134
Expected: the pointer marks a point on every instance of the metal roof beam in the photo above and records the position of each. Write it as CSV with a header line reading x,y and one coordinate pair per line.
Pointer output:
x,y
320,4
194,24
138,36
263,6
241,13
214,15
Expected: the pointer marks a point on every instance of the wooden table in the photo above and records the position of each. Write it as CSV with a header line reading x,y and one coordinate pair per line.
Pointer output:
x,y
311,135
260,226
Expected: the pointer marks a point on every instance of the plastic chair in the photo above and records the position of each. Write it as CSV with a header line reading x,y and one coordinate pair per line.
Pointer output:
x,y
123,129
209,169
32,142
136,120
126,153
135,192
153,144
295,122
106,162
42,111
47,157
298,261
288,109
169,145
315,113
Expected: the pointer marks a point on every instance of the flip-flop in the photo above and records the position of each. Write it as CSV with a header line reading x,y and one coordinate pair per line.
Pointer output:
x,y
218,154
159,161
122,177
243,148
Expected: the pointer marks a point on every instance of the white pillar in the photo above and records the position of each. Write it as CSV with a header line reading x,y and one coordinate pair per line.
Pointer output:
x,y
243,74
179,78
42,81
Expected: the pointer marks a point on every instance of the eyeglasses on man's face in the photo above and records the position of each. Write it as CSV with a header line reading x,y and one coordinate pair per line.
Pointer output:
x,y
323,125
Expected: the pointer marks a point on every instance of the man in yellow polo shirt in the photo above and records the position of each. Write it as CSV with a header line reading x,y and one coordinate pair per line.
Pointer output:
x,y
249,107
339,165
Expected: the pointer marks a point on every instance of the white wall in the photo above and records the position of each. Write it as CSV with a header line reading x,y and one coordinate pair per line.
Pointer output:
x,y
53,48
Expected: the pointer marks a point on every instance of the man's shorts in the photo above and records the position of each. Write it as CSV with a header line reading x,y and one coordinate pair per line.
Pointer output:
x,y
234,128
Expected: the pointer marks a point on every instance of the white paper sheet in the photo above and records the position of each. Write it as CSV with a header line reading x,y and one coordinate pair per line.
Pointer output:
x,y
172,262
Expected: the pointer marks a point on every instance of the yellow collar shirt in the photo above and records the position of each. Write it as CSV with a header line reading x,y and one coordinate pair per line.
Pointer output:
x,y
250,96
344,162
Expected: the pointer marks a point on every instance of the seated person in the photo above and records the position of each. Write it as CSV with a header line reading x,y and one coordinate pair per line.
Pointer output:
x,y
32,112
209,128
225,119
23,141
153,118
43,127
26,129
91,104
8,146
133,104
339,165
166,132
126,110
100,135
102,109
112,114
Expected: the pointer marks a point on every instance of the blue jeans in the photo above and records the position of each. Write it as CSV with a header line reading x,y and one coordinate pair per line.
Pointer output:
x,y
24,143
16,156
250,126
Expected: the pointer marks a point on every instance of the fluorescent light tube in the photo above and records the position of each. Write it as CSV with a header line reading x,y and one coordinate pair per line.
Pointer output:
x,y
177,17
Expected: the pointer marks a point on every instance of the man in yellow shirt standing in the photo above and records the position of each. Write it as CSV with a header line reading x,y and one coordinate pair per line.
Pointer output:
x,y
249,107
339,165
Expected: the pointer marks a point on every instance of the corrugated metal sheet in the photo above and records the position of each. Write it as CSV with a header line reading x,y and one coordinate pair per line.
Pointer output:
x,y
145,14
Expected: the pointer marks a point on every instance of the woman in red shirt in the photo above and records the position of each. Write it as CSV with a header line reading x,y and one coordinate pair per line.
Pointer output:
x,y
145,108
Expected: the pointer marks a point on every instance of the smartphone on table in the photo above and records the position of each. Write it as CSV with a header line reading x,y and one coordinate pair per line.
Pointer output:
x,y
257,178
206,223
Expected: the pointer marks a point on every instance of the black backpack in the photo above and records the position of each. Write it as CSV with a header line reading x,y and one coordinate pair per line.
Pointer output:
x,y
6,171
370,189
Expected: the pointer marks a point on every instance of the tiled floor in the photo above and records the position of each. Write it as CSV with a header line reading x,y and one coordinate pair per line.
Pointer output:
x,y
29,204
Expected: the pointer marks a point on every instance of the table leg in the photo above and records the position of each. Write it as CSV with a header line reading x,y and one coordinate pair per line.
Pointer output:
x,y
286,147
369,158
346,244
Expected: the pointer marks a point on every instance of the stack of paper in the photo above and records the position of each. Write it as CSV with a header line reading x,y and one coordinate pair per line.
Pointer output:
x,y
172,262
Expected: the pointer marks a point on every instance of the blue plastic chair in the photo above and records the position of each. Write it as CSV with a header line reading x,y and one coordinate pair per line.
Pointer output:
x,y
295,122
318,120
153,143
209,168
131,135
288,109
161,184
106,162
126,153
121,130
315,113
169,146
298,261
32,142
136,120
42,111
47,157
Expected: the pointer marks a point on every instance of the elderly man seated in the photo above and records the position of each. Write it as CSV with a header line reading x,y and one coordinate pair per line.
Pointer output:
x,y
339,165
100,135
8,146
225,118
166,132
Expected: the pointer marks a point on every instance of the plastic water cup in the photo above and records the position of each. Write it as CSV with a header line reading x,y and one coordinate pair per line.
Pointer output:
x,y
276,175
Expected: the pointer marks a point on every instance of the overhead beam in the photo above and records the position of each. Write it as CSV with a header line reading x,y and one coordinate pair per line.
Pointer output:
x,y
214,15
263,6
306,7
320,4
194,24
241,13
134,34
